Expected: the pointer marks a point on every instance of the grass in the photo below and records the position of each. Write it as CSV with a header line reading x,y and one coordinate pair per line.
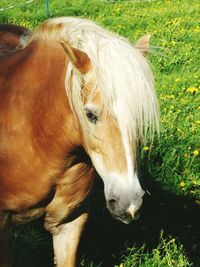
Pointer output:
x,y
107,242
173,161
168,253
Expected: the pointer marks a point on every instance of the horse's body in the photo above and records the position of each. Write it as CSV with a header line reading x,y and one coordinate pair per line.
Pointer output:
x,y
52,133
11,37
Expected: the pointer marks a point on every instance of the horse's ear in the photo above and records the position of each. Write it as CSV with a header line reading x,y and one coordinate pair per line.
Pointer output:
x,y
79,59
143,44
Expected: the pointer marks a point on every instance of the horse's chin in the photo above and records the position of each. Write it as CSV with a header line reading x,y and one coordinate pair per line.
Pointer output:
x,y
126,221
126,218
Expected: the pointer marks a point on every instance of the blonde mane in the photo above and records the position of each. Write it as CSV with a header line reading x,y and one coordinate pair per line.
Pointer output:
x,y
123,76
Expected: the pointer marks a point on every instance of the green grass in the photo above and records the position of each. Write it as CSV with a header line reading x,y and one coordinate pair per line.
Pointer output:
x,y
168,253
173,161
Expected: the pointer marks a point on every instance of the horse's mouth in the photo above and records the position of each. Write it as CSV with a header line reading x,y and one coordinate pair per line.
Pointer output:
x,y
126,218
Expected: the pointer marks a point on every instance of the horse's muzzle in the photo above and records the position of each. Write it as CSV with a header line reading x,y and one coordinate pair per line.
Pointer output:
x,y
127,216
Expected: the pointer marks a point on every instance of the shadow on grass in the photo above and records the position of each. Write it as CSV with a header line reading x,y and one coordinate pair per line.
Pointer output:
x,y
105,239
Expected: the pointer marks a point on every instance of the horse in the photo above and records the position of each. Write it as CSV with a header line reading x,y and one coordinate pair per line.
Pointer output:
x,y
11,37
75,99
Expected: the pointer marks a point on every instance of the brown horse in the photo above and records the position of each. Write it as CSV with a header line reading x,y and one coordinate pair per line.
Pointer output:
x,y
11,37
73,97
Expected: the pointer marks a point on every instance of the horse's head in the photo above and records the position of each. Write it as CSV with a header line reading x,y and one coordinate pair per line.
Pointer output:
x,y
111,120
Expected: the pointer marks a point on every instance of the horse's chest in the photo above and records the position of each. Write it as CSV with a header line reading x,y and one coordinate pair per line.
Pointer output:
x,y
26,182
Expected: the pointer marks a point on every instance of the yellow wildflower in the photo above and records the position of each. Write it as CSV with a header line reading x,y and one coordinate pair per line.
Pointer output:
x,y
170,96
146,148
182,184
173,42
192,90
196,152
121,265
197,29
177,80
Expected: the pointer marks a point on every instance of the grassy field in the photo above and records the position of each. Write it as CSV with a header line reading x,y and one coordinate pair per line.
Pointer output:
x,y
170,168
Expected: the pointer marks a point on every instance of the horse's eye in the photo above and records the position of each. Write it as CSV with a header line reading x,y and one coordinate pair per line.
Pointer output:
x,y
92,117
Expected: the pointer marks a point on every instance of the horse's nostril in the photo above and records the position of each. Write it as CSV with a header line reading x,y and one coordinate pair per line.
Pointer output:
x,y
112,203
112,200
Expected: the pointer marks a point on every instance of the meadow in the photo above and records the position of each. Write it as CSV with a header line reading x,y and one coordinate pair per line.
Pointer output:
x,y
168,232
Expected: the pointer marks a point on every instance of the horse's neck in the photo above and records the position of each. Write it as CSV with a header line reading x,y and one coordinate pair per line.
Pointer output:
x,y
53,120
35,79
